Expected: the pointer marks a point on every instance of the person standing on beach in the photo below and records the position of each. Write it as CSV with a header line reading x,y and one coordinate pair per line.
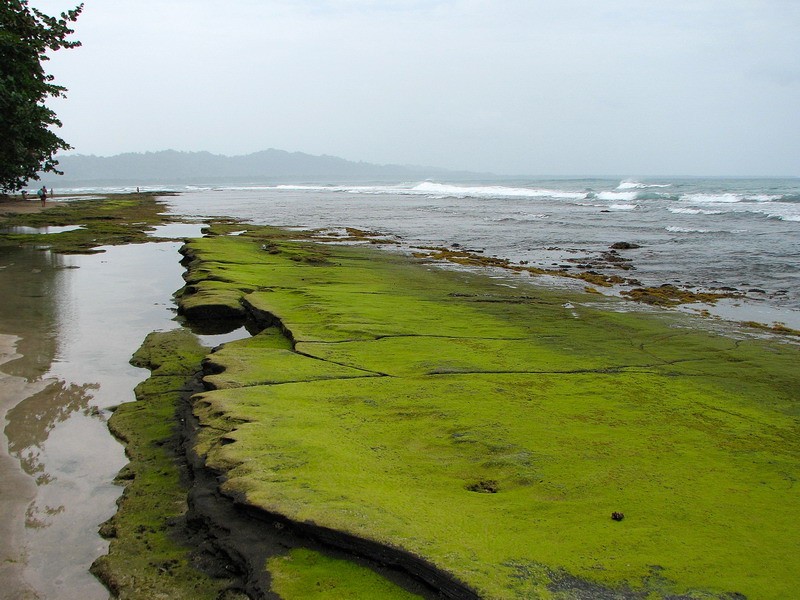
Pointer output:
x,y
42,193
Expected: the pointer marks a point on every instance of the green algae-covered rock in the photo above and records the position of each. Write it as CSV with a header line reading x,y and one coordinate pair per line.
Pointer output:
x,y
306,575
493,430
267,358
144,560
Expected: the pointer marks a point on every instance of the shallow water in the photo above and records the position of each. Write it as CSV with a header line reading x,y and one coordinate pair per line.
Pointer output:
x,y
41,230
177,230
74,322
742,234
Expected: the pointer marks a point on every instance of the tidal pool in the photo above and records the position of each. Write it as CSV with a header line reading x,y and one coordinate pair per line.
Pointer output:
x,y
177,230
68,327
41,230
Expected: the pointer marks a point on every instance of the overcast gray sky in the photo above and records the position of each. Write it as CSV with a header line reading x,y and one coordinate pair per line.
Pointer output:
x,y
617,87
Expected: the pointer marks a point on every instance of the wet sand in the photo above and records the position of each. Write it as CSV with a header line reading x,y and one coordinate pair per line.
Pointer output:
x,y
17,206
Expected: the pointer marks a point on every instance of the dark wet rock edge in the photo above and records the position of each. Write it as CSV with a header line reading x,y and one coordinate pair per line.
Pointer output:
x,y
229,530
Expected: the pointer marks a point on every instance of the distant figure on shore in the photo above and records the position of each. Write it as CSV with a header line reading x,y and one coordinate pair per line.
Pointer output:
x,y
42,193
25,195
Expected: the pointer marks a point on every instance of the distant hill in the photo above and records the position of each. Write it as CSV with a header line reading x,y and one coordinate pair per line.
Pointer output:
x,y
268,166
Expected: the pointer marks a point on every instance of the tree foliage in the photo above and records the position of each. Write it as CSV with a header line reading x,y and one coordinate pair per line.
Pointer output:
x,y
27,141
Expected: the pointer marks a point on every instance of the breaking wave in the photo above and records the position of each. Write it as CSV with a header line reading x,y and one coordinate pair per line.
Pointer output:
x,y
493,191
693,211
675,229
635,185
617,196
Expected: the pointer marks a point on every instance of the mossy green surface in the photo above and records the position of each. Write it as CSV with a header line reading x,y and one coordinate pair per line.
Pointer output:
x,y
112,220
267,358
307,575
145,561
498,428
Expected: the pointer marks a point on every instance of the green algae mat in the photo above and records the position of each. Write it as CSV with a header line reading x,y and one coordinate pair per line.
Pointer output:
x,y
112,219
145,558
493,428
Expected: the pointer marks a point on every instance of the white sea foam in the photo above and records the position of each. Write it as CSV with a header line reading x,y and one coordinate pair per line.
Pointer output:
x,y
675,229
252,188
493,191
622,196
440,191
784,211
763,197
635,185
770,205
304,187
712,198
629,185
693,211
623,206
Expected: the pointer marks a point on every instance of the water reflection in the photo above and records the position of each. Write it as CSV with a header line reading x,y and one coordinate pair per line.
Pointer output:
x,y
213,332
29,312
177,230
76,320
32,420
41,230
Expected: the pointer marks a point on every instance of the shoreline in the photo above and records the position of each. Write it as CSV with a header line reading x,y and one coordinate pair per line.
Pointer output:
x,y
21,207
554,234
722,305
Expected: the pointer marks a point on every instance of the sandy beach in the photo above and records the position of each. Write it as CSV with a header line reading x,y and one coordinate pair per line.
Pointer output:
x,y
15,206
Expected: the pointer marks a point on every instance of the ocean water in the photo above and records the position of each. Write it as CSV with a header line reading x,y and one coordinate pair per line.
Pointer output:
x,y
703,233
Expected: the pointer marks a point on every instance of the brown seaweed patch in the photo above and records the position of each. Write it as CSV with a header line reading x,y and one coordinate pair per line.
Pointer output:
x,y
472,259
670,295
597,278
484,486
776,327
463,257
352,235
361,233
